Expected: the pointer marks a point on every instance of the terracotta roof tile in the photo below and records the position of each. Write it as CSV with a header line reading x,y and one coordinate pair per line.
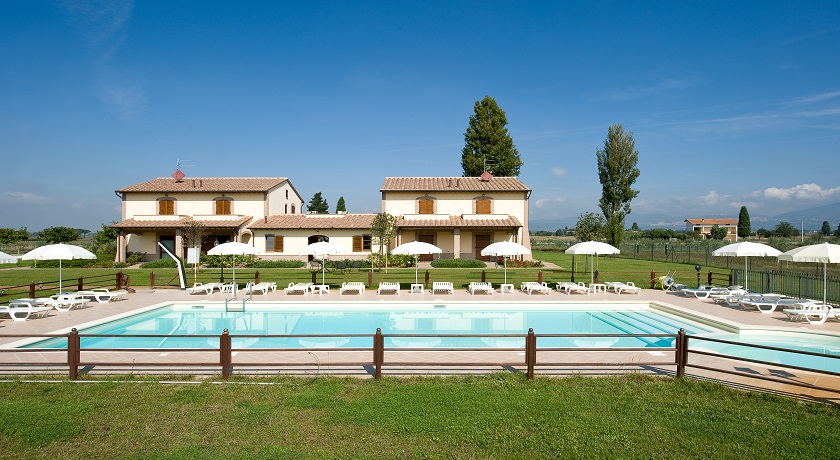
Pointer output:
x,y
207,184
702,221
467,184
143,223
457,221
321,221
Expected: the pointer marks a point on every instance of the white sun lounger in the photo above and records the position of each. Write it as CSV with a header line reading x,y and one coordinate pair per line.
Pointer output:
x,y
572,288
262,288
24,311
206,288
298,288
629,287
445,286
475,286
769,305
352,286
388,287
103,295
530,287
66,302
815,313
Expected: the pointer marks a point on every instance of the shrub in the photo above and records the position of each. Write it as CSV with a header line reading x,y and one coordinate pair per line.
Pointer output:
x,y
394,260
523,263
458,263
133,259
227,261
276,264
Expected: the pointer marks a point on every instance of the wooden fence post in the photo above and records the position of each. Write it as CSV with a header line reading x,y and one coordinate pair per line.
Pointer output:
x,y
257,277
483,276
710,278
653,280
151,280
370,279
426,280
73,353
539,277
32,290
378,353
81,284
224,354
682,352
530,353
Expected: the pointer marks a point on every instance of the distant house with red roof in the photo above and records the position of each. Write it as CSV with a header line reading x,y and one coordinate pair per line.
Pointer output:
x,y
703,226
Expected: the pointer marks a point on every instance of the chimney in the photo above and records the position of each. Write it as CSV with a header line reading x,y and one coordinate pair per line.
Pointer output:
x,y
265,219
201,182
193,183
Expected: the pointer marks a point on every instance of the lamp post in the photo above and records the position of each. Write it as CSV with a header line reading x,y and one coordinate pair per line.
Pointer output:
x,y
698,268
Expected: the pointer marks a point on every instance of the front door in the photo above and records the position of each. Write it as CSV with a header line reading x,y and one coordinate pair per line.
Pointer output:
x,y
169,243
481,242
426,238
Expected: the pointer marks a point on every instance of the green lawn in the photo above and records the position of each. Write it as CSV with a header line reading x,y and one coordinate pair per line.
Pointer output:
x,y
499,416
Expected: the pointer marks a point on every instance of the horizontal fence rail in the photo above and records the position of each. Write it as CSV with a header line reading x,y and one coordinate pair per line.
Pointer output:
x,y
530,356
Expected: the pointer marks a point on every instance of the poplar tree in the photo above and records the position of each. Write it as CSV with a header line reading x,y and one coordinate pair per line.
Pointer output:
x,y
617,172
488,146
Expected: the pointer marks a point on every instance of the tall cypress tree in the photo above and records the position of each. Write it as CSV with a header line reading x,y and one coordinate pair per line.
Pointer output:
x,y
489,147
744,229
340,206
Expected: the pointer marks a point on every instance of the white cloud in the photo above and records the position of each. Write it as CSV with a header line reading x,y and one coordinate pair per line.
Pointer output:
x,y
24,198
802,191
542,202
558,171
712,198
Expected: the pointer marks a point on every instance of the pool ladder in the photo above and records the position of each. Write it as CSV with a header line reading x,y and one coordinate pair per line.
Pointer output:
x,y
247,295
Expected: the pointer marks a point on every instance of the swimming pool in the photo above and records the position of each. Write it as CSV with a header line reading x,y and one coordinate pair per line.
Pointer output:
x,y
309,320
204,322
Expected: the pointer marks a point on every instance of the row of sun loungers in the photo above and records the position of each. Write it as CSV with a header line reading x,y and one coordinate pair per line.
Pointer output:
x,y
26,308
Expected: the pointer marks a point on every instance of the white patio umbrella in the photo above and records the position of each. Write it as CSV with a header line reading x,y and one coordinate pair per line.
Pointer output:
x,y
7,259
233,248
505,249
58,252
824,252
416,248
322,249
592,248
746,249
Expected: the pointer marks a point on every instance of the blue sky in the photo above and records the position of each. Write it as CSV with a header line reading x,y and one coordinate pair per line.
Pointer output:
x,y
731,103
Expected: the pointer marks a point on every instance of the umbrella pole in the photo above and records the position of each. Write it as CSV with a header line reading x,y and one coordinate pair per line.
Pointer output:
x,y
233,268
416,259
505,259
59,276
825,278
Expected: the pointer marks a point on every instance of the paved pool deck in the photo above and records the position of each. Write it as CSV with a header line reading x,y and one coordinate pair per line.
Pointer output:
x,y
60,322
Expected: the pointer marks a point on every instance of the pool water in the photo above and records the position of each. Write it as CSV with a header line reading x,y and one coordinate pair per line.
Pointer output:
x,y
272,320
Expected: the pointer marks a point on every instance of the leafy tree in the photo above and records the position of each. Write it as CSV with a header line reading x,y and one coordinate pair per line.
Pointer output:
x,y
785,229
717,232
663,234
340,206
194,233
107,235
617,172
826,228
54,235
10,235
635,227
489,147
382,231
837,232
589,227
744,229
318,204
764,233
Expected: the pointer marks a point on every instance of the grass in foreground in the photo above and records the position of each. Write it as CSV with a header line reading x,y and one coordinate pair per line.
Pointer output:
x,y
498,416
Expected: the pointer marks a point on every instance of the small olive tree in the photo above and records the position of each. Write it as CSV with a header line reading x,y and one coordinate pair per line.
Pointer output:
x,y
382,231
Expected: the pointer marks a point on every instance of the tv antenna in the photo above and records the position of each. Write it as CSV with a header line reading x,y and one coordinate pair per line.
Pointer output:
x,y
178,175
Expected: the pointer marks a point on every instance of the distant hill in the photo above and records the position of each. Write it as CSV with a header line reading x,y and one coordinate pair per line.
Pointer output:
x,y
811,217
